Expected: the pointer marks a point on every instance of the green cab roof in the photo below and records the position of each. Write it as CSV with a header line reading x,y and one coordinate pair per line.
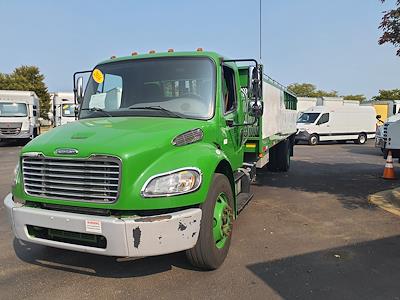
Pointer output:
x,y
213,55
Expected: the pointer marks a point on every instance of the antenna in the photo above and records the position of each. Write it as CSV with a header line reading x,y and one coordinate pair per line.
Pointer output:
x,y
260,31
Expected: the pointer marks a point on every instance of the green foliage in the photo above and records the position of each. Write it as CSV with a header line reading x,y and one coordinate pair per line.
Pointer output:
x,y
390,25
360,97
310,90
388,95
28,78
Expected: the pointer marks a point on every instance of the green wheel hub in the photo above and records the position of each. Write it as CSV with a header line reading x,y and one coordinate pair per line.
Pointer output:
x,y
222,225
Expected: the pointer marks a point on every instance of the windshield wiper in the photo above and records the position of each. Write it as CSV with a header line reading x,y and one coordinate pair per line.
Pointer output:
x,y
96,109
159,108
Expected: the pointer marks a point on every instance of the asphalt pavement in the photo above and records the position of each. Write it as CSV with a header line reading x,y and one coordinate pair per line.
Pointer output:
x,y
307,234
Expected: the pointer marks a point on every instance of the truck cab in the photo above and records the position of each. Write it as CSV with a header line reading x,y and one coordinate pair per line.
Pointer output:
x,y
63,108
19,113
161,158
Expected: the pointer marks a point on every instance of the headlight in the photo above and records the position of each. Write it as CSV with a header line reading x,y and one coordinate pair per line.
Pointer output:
x,y
16,171
173,183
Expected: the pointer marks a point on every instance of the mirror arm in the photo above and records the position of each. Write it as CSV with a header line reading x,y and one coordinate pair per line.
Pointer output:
x,y
74,83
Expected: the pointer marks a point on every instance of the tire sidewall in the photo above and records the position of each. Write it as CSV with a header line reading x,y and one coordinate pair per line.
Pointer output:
x,y
220,183
315,138
362,139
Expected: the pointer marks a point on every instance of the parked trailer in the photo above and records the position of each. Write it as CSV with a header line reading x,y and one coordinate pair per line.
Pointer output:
x,y
320,123
160,160
385,109
19,113
63,108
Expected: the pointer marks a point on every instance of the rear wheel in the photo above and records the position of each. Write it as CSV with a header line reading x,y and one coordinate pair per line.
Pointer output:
x,y
362,139
313,140
216,226
279,157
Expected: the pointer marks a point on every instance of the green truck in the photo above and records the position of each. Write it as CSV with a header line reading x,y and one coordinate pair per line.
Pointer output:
x,y
161,159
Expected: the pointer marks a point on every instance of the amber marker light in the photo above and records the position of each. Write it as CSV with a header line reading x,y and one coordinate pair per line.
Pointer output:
x,y
199,49
152,51
170,50
134,53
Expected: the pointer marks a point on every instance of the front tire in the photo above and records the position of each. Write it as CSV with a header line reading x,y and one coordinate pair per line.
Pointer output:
x,y
279,159
313,140
216,226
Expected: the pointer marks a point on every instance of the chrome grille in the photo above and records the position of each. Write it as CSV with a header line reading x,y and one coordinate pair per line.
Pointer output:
x,y
10,131
95,179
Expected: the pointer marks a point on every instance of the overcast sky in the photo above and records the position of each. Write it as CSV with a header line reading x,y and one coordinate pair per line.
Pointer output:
x,y
332,44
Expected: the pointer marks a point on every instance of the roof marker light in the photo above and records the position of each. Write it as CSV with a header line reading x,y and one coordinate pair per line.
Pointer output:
x,y
170,50
112,57
152,51
199,49
134,53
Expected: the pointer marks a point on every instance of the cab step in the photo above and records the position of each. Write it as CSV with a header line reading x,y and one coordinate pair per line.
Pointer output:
x,y
242,200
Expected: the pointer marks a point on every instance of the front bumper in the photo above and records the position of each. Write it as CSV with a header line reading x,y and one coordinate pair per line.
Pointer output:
x,y
21,135
127,237
302,136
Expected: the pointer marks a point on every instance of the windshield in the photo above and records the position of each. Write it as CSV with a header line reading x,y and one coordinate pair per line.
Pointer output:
x,y
68,110
308,118
10,109
183,86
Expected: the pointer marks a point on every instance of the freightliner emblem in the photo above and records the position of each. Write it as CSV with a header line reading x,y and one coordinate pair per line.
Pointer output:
x,y
67,151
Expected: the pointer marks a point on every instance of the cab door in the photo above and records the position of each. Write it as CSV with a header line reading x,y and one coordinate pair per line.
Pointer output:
x,y
231,142
323,127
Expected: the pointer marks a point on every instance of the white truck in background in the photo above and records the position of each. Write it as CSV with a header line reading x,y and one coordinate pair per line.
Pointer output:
x,y
391,137
19,115
346,123
63,108
380,135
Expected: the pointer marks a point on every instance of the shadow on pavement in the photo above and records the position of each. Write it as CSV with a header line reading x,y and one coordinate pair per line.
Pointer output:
x,y
350,183
364,150
97,265
368,270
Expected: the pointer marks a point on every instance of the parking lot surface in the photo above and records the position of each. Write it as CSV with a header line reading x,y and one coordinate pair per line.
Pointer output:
x,y
309,233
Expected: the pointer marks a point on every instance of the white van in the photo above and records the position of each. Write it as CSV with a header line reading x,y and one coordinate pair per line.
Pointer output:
x,y
321,123
63,108
19,115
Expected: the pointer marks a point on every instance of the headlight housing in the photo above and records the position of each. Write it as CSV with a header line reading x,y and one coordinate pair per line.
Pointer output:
x,y
177,182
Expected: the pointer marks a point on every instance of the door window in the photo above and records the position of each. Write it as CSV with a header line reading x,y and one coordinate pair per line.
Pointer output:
x,y
228,90
324,119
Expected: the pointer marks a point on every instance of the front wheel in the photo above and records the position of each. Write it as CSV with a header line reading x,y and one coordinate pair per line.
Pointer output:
x,y
313,140
216,226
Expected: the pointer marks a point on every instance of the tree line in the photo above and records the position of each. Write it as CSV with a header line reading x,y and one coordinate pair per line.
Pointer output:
x,y
310,90
28,78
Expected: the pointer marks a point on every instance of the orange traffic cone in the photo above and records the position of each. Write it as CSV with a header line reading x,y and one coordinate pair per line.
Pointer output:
x,y
388,172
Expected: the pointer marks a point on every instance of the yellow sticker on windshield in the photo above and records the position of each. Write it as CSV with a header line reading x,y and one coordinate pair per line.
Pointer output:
x,y
98,76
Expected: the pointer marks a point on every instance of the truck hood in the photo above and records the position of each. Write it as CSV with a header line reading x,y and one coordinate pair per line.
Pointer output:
x,y
118,136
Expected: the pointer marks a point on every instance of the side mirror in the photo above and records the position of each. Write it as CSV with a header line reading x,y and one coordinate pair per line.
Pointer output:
x,y
79,90
254,89
256,109
378,117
